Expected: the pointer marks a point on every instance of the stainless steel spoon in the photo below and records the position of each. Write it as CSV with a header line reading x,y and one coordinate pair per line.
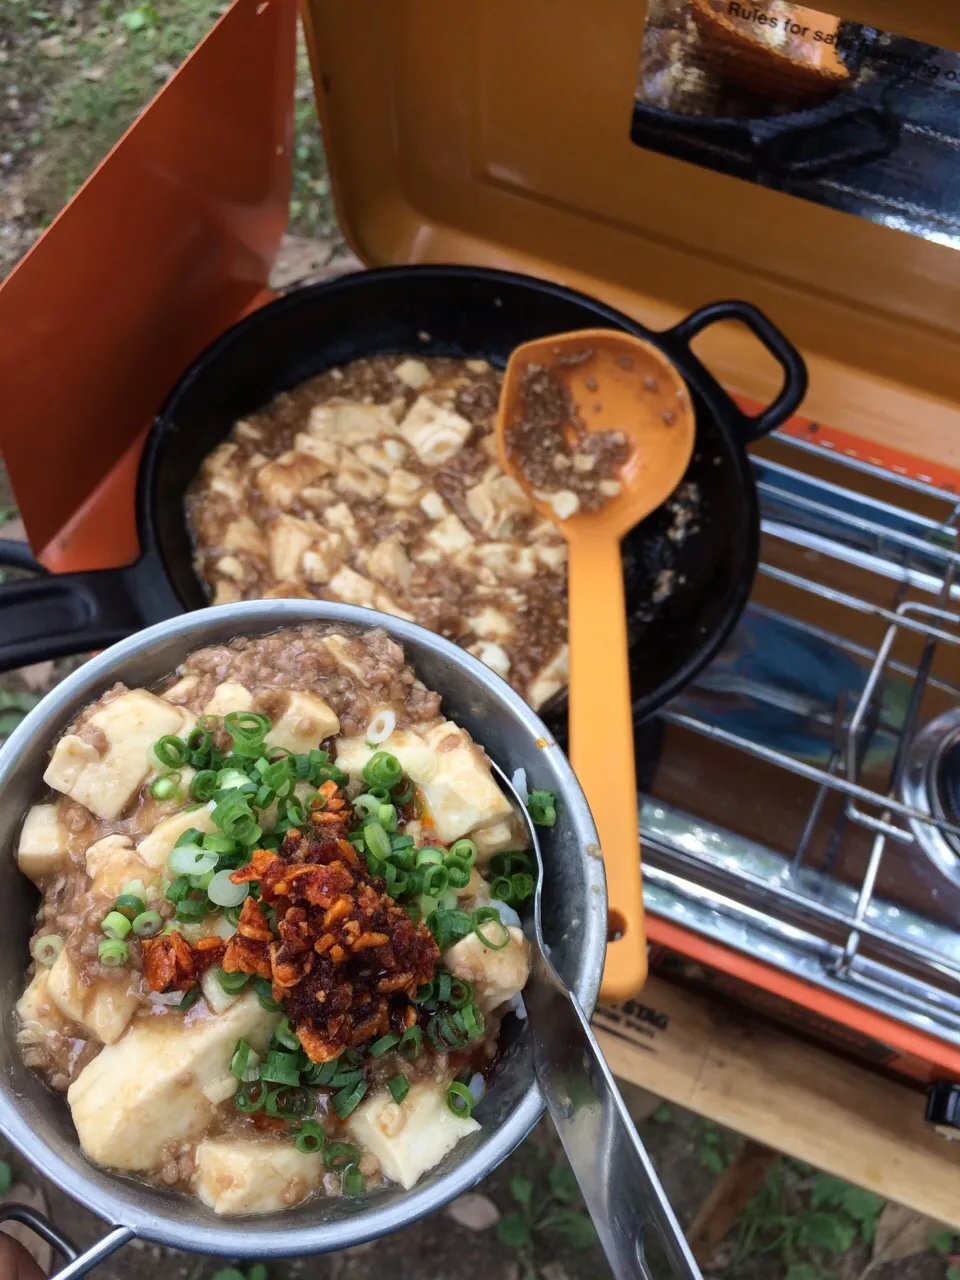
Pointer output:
x,y
637,1228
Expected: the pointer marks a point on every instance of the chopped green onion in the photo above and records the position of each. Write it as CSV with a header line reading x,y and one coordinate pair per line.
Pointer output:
x,y
348,1099
399,1087
264,990
190,836
310,1138
235,819
382,770
542,807
411,1042
501,888
522,887
505,864
147,924
166,787
471,1019
345,1078
460,1100
429,856
170,751
190,998
46,948
231,779
424,993
222,892
112,952
366,805
402,795
177,889
403,856
190,860
443,987
192,910
352,1184
232,982
464,851
337,1155
288,1104
435,881
461,992
247,729
377,840
280,1068
135,887
380,1047
203,785
398,882
129,905
250,1097
448,927
114,925
387,817
240,1060
458,873
484,916
201,882
286,1035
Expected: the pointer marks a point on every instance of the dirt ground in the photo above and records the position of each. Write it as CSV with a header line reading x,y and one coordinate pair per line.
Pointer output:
x,y
73,74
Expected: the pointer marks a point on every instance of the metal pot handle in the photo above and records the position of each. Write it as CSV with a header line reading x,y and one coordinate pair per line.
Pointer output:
x,y
783,351
78,1264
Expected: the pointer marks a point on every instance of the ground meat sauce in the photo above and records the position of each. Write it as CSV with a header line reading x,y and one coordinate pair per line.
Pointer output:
x,y
342,959
377,484
569,467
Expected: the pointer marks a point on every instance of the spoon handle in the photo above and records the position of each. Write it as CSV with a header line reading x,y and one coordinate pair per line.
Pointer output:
x,y
637,1228
601,746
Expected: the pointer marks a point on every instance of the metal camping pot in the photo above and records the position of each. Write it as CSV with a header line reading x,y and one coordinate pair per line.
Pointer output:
x,y
37,1121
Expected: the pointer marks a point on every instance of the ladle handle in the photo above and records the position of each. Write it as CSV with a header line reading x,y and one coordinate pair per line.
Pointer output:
x,y
601,748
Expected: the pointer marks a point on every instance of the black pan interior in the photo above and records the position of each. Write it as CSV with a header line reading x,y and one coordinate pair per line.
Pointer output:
x,y
453,311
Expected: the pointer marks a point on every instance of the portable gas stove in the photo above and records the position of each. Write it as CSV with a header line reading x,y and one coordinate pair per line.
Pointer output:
x,y
804,806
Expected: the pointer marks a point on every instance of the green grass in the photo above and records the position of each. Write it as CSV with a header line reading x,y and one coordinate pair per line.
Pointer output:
x,y
75,75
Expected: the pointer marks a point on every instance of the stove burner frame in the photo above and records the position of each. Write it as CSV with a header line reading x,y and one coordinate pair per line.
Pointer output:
x,y
841,938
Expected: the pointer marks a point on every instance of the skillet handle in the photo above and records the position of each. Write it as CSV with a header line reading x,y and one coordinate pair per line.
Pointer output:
x,y
783,351
61,614
78,1264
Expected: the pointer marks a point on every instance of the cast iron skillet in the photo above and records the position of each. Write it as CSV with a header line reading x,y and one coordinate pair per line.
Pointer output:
x,y
852,127
434,310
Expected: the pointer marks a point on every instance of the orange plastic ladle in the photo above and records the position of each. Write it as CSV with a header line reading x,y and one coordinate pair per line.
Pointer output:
x,y
617,383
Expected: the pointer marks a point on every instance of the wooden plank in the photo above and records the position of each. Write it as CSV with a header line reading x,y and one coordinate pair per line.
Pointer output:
x,y
781,1091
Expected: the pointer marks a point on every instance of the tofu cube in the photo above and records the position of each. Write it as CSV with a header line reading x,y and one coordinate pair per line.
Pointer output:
x,y
155,849
236,1176
105,1007
351,424
497,976
44,846
462,795
227,697
352,587
410,1137
112,862
39,1016
419,760
434,431
148,1089
106,784
413,372
304,724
